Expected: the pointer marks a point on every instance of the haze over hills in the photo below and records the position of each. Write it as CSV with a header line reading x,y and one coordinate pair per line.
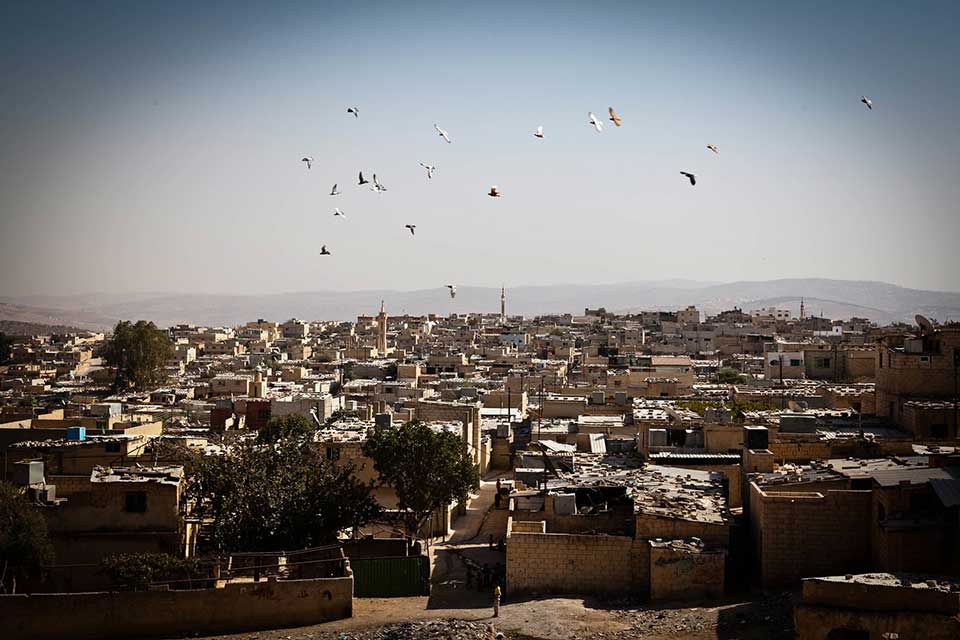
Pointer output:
x,y
877,301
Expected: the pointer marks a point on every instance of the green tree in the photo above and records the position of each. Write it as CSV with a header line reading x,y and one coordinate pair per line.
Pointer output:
x,y
278,496
139,352
6,348
729,375
24,546
427,469
137,571
293,425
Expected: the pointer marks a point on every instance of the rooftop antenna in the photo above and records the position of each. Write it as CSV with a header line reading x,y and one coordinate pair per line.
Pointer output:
x,y
925,325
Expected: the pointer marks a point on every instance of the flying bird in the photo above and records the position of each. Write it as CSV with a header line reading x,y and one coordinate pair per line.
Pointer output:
x,y
493,192
379,188
692,178
443,134
324,252
308,160
614,118
334,191
412,228
453,290
867,101
430,169
362,181
539,132
354,110
713,148
338,214
596,124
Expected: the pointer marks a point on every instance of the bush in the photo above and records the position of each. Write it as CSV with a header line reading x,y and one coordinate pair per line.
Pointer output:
x,y
137,571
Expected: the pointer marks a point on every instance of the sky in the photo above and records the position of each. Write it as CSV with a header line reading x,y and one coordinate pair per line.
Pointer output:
x,y
155,146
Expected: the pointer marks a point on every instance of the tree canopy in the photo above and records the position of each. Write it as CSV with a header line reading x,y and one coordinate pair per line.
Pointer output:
x,y
278,496
6,348
24,546
729,375
137,571
428,469
282,427
139,352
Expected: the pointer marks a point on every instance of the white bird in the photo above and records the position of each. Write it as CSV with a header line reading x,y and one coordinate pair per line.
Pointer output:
x,y
324,252
308,160
443,134
430,169
713,148
354,110
334,191
867,101
453,290
539,132
412,228
338,214
691,177
362,181
596,124
379,188
493,192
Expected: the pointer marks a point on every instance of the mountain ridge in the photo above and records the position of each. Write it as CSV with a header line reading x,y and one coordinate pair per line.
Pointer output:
x,y
879,301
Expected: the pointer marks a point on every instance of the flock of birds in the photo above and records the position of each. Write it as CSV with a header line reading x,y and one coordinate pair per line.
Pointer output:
x,y
494,192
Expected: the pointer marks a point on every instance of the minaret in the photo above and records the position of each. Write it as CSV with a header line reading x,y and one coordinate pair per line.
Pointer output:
x,y
503,305
382,331
802,314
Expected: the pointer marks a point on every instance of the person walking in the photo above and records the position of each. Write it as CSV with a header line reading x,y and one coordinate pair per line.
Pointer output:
x,y
496,601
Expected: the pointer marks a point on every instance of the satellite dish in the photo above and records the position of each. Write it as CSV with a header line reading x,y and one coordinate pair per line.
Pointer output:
x,y
925,325
793,406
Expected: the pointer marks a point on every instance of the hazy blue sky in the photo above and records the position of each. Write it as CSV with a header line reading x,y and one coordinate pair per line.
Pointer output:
x,y
156,145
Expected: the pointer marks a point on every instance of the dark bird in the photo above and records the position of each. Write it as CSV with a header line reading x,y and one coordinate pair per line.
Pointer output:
x,y
379,188
614,118
412,228
867,101
324,252
308,160
354,110
690,176
334,191
493,192
362,181
713,148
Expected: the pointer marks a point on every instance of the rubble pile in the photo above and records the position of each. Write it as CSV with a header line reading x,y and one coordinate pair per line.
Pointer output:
x,y
430,630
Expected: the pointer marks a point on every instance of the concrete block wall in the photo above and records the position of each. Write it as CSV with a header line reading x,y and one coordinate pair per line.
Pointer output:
x,y
124,615
797,535
570,563
676,574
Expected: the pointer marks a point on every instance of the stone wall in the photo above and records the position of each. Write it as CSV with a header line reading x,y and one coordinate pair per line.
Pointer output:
x,y
124,615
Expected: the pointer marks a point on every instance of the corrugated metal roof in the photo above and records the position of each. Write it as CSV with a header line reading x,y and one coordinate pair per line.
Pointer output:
x,y
947,490
598,443
916,475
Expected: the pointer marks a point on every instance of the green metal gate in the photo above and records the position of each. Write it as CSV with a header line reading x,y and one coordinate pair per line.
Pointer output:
x,y
391,577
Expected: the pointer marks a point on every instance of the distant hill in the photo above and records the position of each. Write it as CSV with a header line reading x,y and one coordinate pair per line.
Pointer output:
x,y
15,328
877,301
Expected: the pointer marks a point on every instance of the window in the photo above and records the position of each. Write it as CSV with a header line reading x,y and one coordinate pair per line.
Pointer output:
x,y
135,502
112,447
795,362
821,363
333,453
938,430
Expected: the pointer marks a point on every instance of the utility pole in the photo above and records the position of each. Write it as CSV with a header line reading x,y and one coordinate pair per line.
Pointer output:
x,y
540,416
